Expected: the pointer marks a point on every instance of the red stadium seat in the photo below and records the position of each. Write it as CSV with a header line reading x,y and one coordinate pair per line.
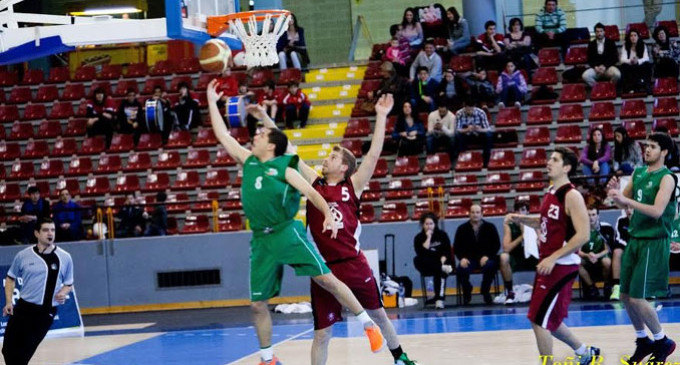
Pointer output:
x,y
138,161
47,93
227,222
353,145
534,202
537,136
33,77
111,72
61,110
205,138
137,70
497,182
394,212
406,165
72,185
76,127
367,213
21,131
49,129
240,134
176,80
149,141
205,79
104,85
260,77
527,185
670,25
433,183
85,73
533,157
462,63
204,199
187,180
548,57
371,191
59,75
9,191
570,113
93,145
73,91
422,207
380,168
34,112
162,68
223,158
357,128
437,163
233,200
507,117
21,170
606,128
8,113
545,76
8,78
197,158
122,143
602,111
157,181
470,161
603,90
64,147
126,183
20,95
216,179
96,185
576,56
188,65
636,128
665,107
179,139
36,149
50,168
669,124
641,28
288,75
403,189
458,208
151,83
194,224
568,134
634,108
168,160
80,166
573,93
612,32
81,112
505,138
125,85
464,185
502,160
494,205
665,86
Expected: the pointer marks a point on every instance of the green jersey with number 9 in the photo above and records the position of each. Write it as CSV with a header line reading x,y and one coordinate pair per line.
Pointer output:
x,y
645,187
268,200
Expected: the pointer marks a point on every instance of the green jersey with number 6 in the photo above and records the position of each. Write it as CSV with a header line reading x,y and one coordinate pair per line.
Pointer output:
x,y
268,200
645,187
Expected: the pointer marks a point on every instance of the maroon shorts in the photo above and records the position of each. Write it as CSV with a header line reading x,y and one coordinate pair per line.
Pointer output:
x,y
357,275
551,296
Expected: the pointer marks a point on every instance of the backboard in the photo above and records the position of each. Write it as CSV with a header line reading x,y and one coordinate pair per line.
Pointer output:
x,y
186,19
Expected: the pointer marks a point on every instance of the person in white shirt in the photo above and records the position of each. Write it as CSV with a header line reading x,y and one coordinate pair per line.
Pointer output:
x,y
636,68
441,127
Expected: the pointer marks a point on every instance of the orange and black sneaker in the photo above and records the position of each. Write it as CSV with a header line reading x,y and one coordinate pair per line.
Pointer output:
x,y
273,361
375,337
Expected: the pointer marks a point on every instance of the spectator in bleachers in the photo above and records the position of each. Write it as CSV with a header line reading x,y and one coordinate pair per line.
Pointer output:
x,y
603,55
472,127
423,91
480,88
292,46
595,254
100,111
296,105
410,29
156,126
268,99
68,218
450,90
32,209
619,245
409,132
596,157
518,45
512,258
433,256
635,67
459,31
627,153
666,54
441,125
490,54
157,224
391,83
129,114
429,59
397,56
186,110
476,246
551,23
511,86
131,218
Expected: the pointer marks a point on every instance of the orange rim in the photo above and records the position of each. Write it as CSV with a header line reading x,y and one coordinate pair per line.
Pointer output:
x,y
216,25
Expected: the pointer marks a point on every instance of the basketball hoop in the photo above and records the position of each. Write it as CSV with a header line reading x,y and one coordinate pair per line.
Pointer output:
x,y
260,48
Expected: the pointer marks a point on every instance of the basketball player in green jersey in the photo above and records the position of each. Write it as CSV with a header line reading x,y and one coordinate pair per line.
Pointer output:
x,y
645,262
270,195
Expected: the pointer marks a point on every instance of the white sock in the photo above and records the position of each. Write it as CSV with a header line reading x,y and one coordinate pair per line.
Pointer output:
x,y
659,336
581,350
364,318
267,354
641,334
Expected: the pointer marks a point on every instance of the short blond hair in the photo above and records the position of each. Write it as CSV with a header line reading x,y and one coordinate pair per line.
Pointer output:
x,y
347,159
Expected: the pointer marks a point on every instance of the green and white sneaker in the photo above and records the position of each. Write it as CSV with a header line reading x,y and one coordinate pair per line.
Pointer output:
x,y
616,292
404,360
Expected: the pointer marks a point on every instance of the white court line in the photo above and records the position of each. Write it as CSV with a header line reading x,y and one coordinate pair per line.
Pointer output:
x,y
274,345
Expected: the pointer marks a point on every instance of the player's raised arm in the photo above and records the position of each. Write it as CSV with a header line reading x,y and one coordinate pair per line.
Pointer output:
x,y
533,221
365,171
221,132
298,182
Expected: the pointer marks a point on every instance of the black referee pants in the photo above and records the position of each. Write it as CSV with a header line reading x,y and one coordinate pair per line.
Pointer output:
x,y
25,330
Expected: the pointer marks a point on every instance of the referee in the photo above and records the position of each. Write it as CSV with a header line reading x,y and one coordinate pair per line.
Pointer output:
x,y
47,274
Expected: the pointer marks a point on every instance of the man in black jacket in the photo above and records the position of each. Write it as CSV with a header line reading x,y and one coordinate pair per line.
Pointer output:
x,y
476,246
603,55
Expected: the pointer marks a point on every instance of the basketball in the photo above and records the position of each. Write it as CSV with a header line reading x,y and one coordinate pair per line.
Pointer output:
x,y
214,56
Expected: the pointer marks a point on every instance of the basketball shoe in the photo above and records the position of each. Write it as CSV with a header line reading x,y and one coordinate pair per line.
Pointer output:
x,y
591,353
643,347
375,338
662,348
404,360
273,361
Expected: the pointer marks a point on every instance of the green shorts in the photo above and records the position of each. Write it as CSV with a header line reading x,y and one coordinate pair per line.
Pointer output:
x,y
520,263
645,268
287,245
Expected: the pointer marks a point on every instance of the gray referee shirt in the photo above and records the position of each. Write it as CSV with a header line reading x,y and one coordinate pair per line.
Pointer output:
x,y
33,271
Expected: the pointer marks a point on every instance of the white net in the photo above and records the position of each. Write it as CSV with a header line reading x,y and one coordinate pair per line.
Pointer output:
x,y
260,47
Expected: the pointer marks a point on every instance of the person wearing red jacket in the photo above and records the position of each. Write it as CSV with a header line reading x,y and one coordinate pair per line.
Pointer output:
x,y
296,105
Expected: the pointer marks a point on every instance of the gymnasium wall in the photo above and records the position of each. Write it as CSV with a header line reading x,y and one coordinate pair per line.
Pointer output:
x,y
123,273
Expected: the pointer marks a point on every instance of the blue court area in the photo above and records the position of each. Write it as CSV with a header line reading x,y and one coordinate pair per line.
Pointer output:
x,y
219,346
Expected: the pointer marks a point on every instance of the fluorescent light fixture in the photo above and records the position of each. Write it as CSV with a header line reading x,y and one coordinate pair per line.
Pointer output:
x,y
107,11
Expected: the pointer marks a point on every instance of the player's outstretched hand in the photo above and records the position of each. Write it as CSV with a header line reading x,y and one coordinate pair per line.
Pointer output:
x,y
613,183
8,310
213,95
330,225
384,104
